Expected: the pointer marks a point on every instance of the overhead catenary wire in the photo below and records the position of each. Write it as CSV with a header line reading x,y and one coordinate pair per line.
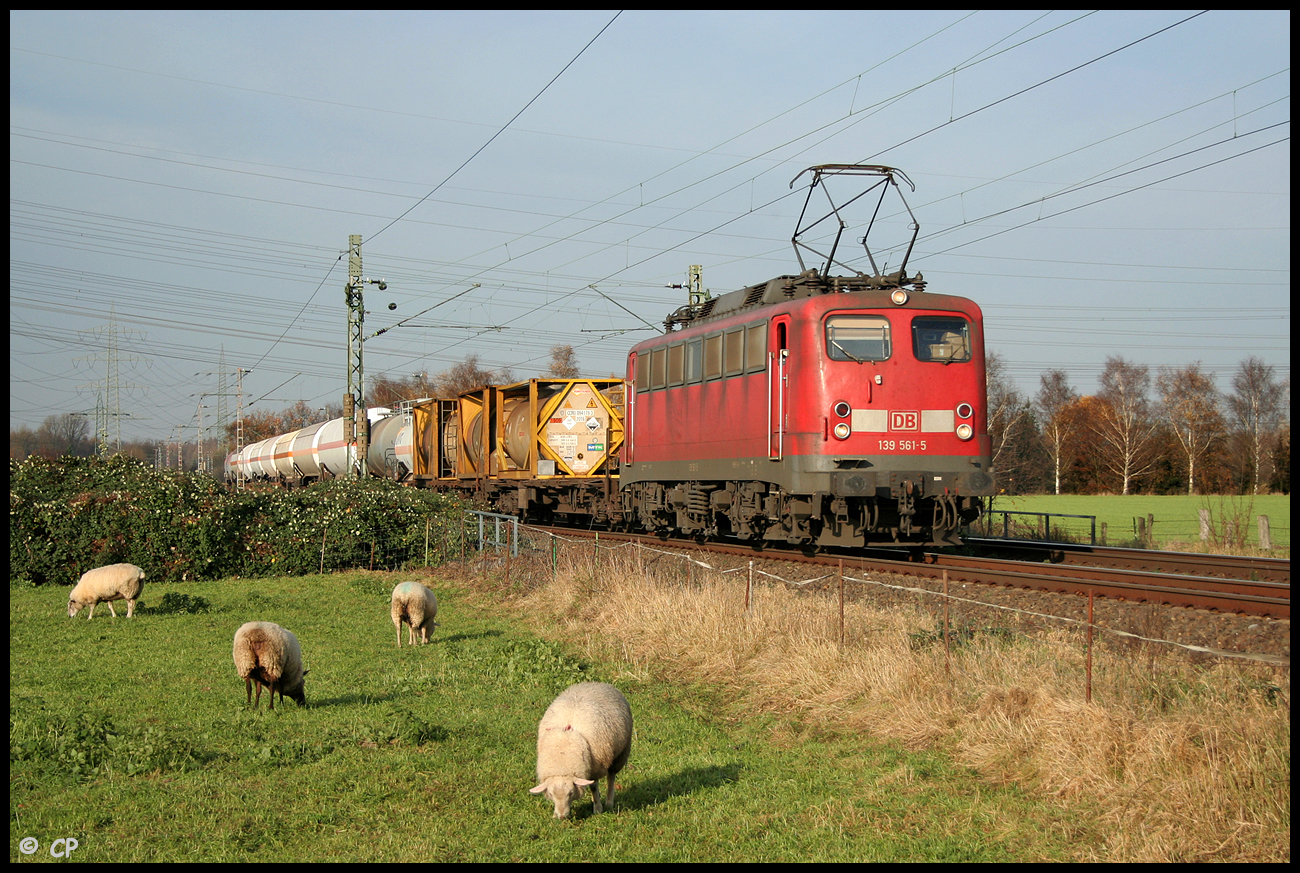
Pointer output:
x,y
513,292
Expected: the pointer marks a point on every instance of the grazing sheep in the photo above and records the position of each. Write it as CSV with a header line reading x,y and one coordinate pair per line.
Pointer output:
x,y
269,655
104,585
585,734
417,606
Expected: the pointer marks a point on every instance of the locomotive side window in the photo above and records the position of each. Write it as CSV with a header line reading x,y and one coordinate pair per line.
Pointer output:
x,y
857,338
733,349
675,355
641,372
713,356
694,360
946,340
756,347
658,368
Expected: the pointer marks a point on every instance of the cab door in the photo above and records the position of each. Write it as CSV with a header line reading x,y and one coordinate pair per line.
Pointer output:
x,y
629,395
778,379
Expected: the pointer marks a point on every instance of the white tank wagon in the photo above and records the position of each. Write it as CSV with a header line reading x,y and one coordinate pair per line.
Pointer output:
x,y
319,451
391,442
282,455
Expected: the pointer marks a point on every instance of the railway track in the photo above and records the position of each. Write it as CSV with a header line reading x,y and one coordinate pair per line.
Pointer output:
x,y
1224,566
1206,582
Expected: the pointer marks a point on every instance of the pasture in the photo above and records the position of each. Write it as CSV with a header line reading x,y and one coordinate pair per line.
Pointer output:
x,y
1177,519
133,738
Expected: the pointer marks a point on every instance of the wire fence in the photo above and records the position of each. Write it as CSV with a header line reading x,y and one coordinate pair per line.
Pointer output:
x,y
490,544
650,559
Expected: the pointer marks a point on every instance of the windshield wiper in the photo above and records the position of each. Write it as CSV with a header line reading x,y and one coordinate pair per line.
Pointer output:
x,y
847,352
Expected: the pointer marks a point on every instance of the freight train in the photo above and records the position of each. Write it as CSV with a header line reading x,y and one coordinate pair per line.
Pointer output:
x,y
810,409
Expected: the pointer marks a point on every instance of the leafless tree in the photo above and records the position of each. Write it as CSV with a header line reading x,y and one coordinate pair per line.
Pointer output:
x,y
65,434
1008,411
564,363
1126,427
469,375
1191,408
1257,402
1054,400
300,415
22,442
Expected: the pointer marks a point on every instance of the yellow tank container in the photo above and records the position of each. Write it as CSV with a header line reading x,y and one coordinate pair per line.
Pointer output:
x,y
539,429
558,427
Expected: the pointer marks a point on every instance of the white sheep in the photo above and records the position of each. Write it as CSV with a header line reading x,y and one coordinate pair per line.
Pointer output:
x,y
585,734
104,585
417,606
269,655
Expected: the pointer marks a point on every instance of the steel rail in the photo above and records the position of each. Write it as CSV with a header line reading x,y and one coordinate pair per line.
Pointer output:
x,y
1229,566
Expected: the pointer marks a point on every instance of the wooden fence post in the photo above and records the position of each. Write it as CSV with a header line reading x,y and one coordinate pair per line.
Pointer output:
x,y
1088,646
947,647
841,575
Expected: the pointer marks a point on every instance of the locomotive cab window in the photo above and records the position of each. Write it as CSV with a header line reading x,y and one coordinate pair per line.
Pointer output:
x,y
857,338
946,340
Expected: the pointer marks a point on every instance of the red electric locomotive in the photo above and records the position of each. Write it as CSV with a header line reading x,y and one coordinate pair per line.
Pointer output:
x,y
812,409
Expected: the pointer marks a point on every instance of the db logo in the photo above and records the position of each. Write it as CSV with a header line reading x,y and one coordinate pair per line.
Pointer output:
x,y
909,420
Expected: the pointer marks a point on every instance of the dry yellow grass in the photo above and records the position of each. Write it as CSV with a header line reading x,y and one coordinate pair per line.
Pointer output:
x,y
1180,762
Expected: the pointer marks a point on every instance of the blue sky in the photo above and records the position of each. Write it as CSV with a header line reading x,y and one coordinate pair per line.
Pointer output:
x,y
1109,183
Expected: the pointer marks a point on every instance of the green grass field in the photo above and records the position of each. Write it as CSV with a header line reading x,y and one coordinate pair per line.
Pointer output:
x,y
133,738
1176,516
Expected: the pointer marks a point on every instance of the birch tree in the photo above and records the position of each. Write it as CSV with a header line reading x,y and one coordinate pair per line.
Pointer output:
x,y
1055,399
1191,408
1257,401
1007,413
564,363
1125,427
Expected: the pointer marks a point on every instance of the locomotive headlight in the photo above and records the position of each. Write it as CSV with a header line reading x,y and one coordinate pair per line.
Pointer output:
x,y
965,431
964,410
842,431
899,297
842,409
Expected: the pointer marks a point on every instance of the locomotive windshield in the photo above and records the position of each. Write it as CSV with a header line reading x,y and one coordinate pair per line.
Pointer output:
x,y
946,340
857,338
